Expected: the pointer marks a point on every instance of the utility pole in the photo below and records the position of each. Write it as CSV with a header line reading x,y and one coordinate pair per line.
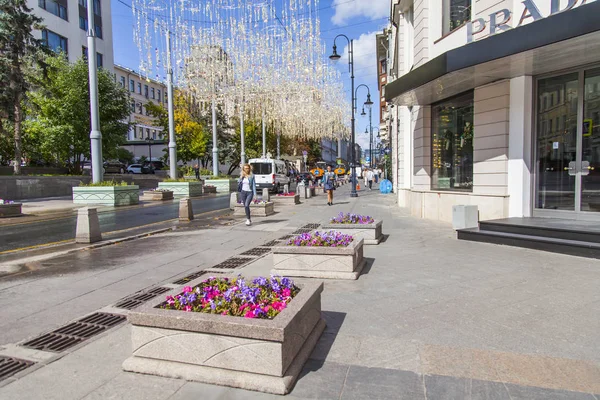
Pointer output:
x,y
215,149
242,135
95,134
172,144
370,138
264,135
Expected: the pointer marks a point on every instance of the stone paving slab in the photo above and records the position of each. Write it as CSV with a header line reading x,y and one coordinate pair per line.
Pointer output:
x,y
430,317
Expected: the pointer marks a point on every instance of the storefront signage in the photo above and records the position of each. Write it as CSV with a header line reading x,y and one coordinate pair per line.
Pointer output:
x,y
500,21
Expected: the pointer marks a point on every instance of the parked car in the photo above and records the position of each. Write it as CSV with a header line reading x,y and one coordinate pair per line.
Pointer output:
x,y
270,174
114,167
134,169
150,166
305,177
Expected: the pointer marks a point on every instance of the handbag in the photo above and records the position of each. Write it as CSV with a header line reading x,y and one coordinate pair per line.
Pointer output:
x,y
240,185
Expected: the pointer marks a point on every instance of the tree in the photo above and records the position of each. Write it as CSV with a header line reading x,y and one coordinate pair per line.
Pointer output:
x,y
190,131
60,113
18,48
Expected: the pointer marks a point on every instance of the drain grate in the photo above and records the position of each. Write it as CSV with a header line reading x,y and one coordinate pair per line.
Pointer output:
x,y
186,279
10,366
286,237
75,332
131,302
272,243
302,230
233,262
257,251
312,225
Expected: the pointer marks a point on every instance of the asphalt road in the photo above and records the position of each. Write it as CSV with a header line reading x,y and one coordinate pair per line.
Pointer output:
x,y
62,229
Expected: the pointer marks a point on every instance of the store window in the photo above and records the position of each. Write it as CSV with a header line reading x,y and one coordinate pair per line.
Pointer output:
x,y
454,14
452,144
55,42
54,7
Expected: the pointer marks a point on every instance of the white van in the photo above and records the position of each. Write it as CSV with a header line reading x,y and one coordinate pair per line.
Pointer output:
x,y
269,173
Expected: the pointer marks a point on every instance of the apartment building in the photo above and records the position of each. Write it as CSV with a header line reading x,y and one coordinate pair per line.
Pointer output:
x,y
496,103
144,137
65,28
381,47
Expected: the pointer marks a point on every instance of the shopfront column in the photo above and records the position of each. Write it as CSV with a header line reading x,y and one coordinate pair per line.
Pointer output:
x,y
519,147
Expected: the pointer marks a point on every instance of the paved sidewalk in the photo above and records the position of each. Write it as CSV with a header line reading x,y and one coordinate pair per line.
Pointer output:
x,y
430,318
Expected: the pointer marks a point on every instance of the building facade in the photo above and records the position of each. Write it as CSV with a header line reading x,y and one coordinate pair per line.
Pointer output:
x,y
65,28
382,57
144,137
495,103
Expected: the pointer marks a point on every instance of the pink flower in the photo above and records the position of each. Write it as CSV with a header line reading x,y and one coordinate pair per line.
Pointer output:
x,y
287,292
225,313
187,289
187,308
249,314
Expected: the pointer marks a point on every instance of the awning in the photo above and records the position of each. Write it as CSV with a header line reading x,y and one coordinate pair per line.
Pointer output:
x,y
566,40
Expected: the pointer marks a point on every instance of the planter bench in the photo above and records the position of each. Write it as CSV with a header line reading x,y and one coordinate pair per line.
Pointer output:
x,y
157,195
183,189
223,185
286,200
254,354
107,195
256,210
319,262
209,189
10,210
371,233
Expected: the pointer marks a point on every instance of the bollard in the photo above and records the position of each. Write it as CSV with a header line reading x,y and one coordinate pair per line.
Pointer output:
x,y
88,227
266,196
233,199
186,213
308,192
301,189
286,188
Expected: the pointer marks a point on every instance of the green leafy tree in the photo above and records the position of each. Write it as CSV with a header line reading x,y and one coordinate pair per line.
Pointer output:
x,y
18,50
60,113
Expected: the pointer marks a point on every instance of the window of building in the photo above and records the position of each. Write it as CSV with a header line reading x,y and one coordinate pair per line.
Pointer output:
x,y
147,132
146,91
139,107
131,85
98,29
158,95
55,42
454,14
452,144
122,81
139,88
54,8
152,93
99,60
133,106
97,9
383,66
84,54
83,23
154,134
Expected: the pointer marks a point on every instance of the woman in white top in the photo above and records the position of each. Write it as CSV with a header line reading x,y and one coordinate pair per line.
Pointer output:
x,y
247,189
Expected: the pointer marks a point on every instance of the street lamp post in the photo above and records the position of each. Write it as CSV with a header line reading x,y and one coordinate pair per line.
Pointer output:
x,y
172,143
95,134
150,142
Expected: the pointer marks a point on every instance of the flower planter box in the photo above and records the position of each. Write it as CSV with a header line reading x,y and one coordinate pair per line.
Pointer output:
x,y
254,354
319,262
157,195
107,195
256,210
209,189
10,210
223,185
371,233
286,200
183,189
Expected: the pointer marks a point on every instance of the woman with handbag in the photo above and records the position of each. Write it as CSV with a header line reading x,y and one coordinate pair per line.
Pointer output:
x,y
329,184
247,190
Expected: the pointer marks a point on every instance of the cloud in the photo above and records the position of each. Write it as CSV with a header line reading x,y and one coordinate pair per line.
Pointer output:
x,y
364,53
346,10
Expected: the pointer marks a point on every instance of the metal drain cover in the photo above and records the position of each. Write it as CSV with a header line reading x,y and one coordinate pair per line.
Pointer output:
x,y
131,302
75,332
233,262
302,230
272,243
312,225
186,279
286,237
257,251
10,366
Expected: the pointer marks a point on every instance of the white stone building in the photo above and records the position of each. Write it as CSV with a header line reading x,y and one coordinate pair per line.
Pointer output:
x,y
495,103
66,28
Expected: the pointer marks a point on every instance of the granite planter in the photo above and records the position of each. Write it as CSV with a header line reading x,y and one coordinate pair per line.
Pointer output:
x,y
183,189
256,210
319,262
157,195
223,185
254,354
371,233
209,189
286,200
10,210
107,195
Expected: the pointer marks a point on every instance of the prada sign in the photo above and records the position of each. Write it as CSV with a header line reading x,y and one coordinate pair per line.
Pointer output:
x,y
500,21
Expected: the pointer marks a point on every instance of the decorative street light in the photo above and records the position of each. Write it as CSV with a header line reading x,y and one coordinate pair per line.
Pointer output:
x,y
150,142
95,134
369,104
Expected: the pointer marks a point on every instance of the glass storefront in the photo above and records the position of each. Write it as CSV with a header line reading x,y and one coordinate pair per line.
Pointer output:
x,y
568,142
452,144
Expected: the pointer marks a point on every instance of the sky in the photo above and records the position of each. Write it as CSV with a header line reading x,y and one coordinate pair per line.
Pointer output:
x,y
360,20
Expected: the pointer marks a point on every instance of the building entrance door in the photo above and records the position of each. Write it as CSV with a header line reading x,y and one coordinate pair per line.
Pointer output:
x,y
568,146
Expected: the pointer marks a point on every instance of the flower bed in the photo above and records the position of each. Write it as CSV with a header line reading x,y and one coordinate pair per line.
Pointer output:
x,y
120,195
359,226
183,189
253,348
258,208
157,195
9,208
288,199
209,189
320,255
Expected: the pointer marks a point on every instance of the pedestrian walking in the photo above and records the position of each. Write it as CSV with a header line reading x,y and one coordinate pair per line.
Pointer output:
x,y
370,178
329,184
247,190
376,175
197,171
364,176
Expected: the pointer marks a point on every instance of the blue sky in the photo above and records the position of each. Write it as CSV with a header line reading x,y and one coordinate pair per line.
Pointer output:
x,y
358,19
